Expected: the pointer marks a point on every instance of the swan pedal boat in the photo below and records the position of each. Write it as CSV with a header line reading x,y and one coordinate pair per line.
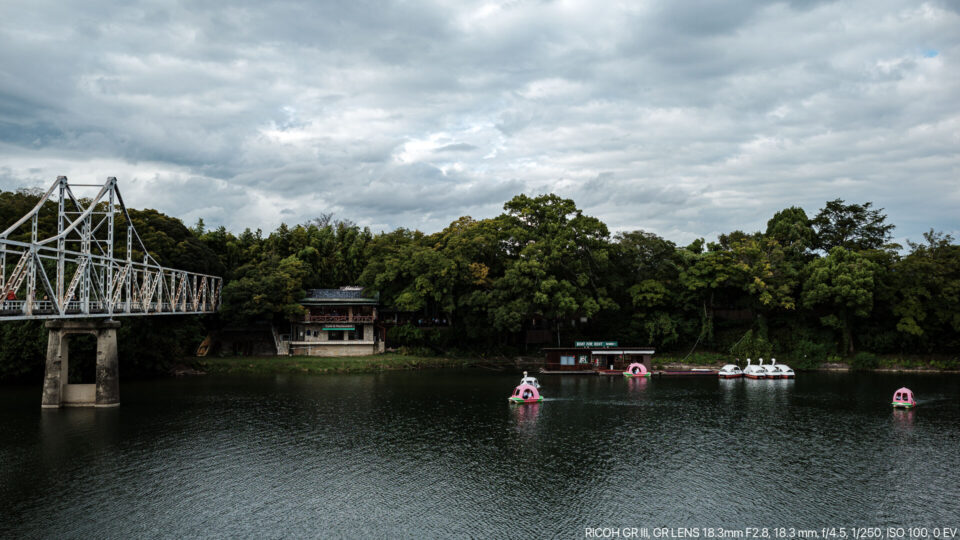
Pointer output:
x,y
903,399
769,370
783,370
525,393
753,371
532,381
730,371
636,369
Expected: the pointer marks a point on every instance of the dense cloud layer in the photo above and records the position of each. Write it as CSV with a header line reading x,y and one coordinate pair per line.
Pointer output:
x,y
684,118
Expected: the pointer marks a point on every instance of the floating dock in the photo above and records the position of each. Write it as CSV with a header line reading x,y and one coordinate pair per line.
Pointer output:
x,y
617,372
688,373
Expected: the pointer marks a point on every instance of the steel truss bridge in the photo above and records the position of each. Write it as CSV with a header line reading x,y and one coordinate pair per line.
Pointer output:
x,y
74,274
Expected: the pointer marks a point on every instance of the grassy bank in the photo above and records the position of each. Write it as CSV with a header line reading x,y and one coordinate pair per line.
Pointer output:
x,y
320,365
696,359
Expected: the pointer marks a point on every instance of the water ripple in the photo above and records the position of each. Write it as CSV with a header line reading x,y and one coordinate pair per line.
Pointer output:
x,y
441,454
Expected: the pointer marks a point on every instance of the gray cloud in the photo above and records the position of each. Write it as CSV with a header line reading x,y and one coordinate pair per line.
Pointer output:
x,y
456,147
687,119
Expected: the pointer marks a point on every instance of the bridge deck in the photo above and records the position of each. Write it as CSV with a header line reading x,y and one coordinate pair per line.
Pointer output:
x,y
15,310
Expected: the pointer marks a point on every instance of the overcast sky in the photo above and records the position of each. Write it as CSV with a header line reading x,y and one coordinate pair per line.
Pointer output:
x,y
683,118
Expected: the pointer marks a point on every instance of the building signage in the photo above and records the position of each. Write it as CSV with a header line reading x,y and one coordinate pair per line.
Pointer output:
x,y
595,344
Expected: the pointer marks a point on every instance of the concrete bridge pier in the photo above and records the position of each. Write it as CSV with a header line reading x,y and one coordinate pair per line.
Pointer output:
x,y
57,391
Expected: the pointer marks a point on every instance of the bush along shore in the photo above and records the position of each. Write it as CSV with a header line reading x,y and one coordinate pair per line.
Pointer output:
x,y
319,365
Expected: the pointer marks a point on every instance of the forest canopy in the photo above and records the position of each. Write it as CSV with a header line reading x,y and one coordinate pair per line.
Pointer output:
x,y
807,287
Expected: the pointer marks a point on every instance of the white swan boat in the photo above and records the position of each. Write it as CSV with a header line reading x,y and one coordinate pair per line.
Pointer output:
x,y
783,370
730,371
753,371
770,371
532,381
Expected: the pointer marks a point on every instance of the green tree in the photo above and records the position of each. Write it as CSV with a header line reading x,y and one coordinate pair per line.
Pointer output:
x,y
928,292
556,260
268,290
744,272
841,287
793,230
652,267
851,226
23,348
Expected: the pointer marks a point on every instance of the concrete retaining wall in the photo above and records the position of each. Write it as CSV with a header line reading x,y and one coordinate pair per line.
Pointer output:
x,y
329,348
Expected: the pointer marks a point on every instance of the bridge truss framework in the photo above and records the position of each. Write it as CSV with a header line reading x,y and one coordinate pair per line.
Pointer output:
x,y
74,273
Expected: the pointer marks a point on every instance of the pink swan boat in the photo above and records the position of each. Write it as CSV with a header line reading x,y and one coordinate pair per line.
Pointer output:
x,y
903,398
525,393
636,369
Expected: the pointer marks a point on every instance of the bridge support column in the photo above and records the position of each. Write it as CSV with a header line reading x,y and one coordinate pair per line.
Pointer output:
x,y
57,391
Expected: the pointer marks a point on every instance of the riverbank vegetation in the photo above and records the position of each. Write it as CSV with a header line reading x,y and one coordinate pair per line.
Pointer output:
x,y
862,361
314,365
826,288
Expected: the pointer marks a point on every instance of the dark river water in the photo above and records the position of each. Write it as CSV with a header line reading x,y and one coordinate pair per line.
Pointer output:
x,y
438,454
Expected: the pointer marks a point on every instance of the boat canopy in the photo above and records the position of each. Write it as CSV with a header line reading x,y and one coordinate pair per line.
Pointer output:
x,y
526,391
903,394
637,368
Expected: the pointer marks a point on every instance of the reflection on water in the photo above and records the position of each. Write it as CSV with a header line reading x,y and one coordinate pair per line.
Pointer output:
x,y
903,418
63,431
636,385
441,453
526,416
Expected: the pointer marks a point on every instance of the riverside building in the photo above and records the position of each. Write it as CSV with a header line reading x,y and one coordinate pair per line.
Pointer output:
x,y
338,322
594,356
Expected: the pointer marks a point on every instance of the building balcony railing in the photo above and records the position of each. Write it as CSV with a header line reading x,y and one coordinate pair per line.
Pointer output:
x,y
419,323
331,343
338,318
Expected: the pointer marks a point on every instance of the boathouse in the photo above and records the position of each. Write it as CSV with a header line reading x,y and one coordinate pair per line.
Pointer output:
x,y
591,356
337,322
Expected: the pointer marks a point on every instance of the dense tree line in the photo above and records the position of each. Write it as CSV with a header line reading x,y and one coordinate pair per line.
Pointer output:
x,y
806,288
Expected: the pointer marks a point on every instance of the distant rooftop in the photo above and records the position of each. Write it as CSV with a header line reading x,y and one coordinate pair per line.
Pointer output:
x,y
342,295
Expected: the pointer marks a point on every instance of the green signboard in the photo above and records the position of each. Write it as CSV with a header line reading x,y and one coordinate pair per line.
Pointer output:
x,y
595,344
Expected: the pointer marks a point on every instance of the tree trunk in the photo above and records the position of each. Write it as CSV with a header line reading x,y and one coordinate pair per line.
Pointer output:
x,y
848,336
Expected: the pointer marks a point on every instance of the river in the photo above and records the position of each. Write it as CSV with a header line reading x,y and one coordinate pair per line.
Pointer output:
x,y
442,453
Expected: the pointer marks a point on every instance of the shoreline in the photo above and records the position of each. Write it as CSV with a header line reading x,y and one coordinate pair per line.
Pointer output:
x,y
315,365
320,365
830,367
